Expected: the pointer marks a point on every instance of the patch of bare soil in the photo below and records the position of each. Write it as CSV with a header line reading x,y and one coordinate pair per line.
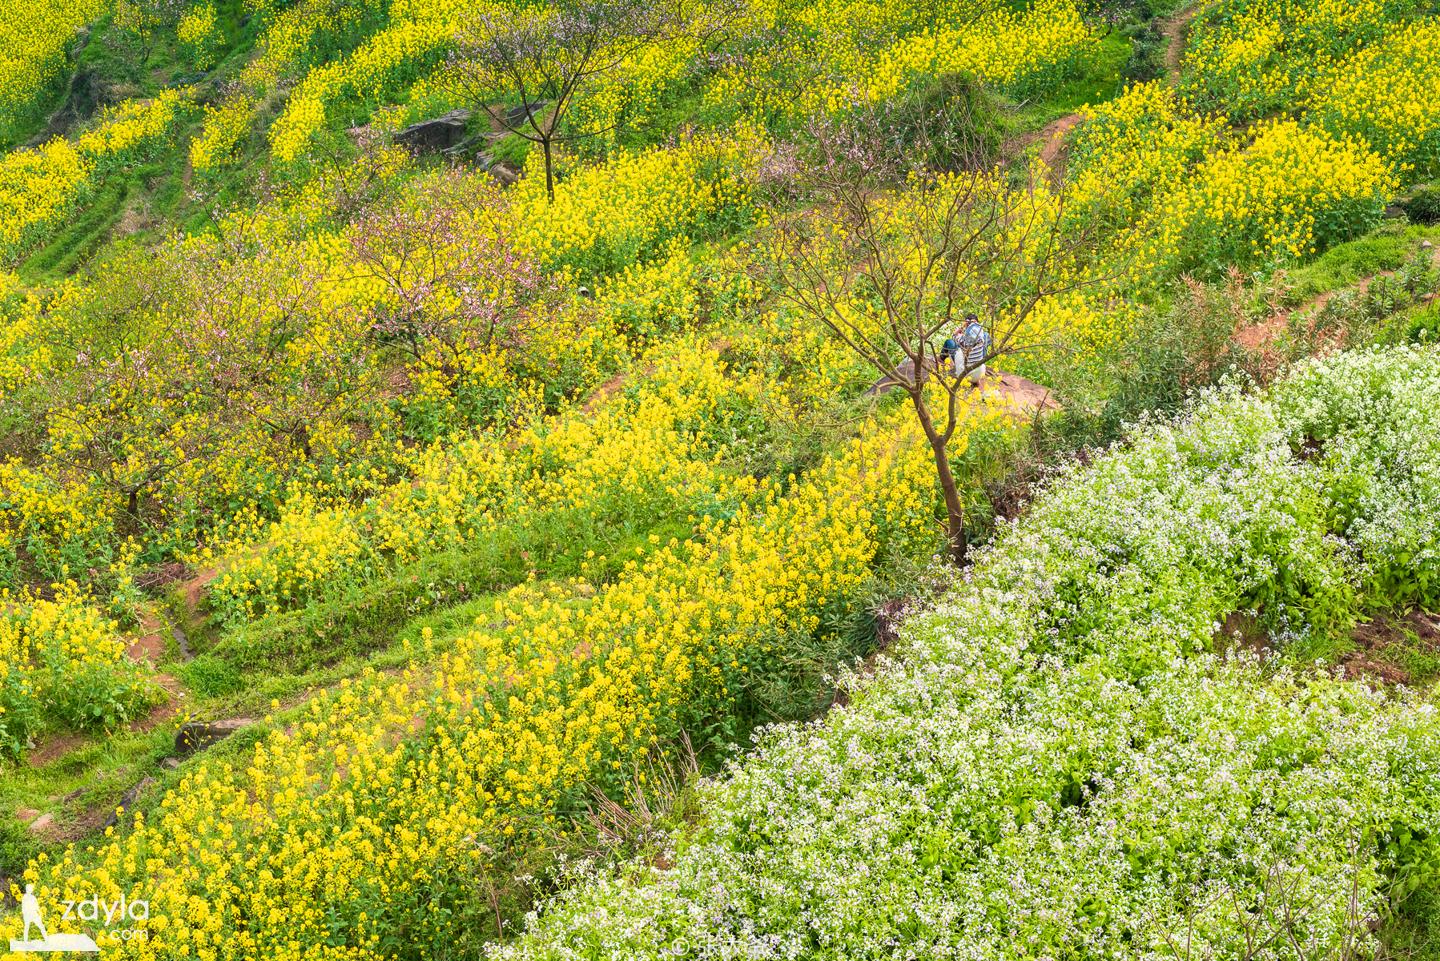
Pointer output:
x,y
1241,633
1053,141
53,748
1381,646
1050,143
149,647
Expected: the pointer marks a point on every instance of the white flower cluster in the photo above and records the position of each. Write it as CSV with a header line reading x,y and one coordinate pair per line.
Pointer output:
x,y
1061,766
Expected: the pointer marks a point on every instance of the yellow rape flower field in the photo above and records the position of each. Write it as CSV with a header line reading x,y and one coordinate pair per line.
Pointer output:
x,y
741,478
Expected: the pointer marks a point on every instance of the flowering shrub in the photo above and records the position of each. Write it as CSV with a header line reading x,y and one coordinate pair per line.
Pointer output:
x,y
1059,761
34,37
39,187
796,59
1290,192
1251,57
612,215
646,456
1134,150
201,35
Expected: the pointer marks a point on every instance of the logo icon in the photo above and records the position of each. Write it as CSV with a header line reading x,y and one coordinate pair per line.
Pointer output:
x,y
30,915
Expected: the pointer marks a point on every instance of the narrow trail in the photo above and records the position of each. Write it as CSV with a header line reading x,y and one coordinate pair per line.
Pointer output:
x,y
1050,143
1261,336
1176,31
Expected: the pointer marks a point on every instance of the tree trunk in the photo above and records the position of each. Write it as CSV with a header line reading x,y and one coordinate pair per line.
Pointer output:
x,y
549,172
954,507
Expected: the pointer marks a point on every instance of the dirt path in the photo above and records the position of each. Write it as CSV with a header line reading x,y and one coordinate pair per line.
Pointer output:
x,y
1176,31
1262,335
1050,143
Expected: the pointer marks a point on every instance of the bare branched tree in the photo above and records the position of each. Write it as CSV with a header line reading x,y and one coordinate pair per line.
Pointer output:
x,y
453,282
888,271
527,67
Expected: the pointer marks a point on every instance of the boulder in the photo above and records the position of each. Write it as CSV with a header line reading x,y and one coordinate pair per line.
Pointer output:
x,y
516,115
505,173
198,735
906,369
439,133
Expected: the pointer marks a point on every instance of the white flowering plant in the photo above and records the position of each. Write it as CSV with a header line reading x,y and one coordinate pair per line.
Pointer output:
x,y
1069,759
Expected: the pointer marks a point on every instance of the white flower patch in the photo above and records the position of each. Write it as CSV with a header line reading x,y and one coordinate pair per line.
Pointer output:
x,y
1059,765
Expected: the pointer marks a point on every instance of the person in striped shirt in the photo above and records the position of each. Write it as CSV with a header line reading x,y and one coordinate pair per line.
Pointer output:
x,y
969,350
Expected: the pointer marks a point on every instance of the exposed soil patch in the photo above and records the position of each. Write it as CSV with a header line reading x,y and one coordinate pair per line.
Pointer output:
x,y
1241,633
1052,144
194,590
53,748
1396,650
158,578
149,647
603,393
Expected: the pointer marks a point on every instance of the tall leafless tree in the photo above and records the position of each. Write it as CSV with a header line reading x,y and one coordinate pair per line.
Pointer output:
x,y
888,259
527,67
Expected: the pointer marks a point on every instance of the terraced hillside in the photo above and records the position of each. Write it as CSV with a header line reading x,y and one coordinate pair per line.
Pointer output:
x,y
490,479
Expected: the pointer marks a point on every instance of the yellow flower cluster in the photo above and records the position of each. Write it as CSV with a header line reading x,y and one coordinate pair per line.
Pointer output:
x,y
1007,49
38,187
416,33
34,37
1250,57
1385,95
606,216
831,55
1291,191
284,45
380,797
121,130
199,31
1130,150
63,663
640,452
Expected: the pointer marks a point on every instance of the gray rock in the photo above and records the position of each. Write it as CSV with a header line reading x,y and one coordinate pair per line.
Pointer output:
x,y
198,735
440,133
906,369
516,115
43,823
183,643
127,801
505,173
